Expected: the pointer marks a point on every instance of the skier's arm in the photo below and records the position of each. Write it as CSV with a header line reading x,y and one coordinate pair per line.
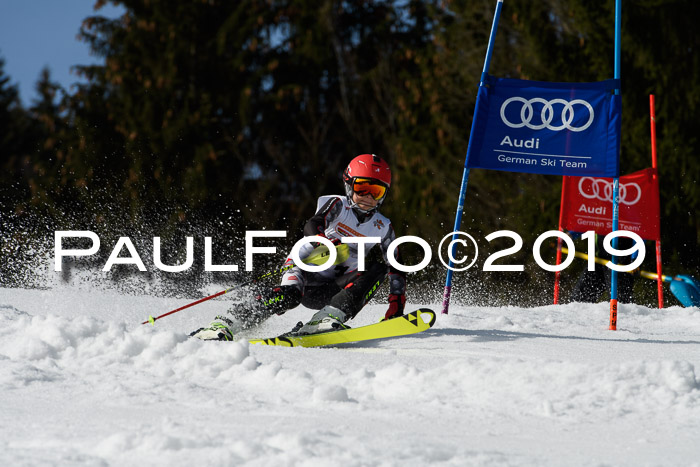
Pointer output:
x,y
319,222
317,226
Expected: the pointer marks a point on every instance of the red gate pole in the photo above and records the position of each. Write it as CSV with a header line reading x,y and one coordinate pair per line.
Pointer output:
x,y
659,281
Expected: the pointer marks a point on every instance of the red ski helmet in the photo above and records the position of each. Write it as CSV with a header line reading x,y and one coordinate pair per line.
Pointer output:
x,y
367,174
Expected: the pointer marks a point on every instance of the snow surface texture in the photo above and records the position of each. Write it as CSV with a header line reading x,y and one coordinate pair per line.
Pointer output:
x,y
83,383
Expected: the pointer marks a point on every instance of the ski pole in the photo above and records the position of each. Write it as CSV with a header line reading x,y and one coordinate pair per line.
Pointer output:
x,y
153,320
644,274
685,288
317,257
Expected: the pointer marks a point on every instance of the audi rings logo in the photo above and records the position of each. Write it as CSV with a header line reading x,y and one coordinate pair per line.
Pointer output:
x,y
547,113
597,188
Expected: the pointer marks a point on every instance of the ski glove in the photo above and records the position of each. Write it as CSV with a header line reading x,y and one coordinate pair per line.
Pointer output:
x,y
396,305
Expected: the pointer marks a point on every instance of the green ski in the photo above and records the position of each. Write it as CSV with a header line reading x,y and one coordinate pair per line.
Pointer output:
x,y
414,322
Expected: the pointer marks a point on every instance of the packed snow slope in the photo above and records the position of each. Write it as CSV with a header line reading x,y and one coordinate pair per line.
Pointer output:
x,y
83,383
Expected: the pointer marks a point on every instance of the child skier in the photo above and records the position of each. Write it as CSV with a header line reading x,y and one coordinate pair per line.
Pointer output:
x,y
341,291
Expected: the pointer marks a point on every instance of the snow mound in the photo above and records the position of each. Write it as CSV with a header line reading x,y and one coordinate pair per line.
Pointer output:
x,y
484,386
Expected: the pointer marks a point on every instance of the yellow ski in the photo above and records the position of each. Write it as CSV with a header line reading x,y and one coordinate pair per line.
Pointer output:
x,y
412,323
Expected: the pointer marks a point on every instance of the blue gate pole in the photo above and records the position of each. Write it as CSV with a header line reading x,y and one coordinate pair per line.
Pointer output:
x,y
465,175
616,180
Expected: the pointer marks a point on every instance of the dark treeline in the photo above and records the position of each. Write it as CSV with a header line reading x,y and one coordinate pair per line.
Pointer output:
x,y
246,111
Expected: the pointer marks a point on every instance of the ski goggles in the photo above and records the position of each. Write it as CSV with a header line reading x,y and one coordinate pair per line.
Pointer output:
x,y
369,186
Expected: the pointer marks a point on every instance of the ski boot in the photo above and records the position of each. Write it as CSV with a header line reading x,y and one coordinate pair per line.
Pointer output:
x,y
218,330
328,318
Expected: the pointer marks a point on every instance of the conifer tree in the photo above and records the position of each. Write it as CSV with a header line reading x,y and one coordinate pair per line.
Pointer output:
x,y
15,142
